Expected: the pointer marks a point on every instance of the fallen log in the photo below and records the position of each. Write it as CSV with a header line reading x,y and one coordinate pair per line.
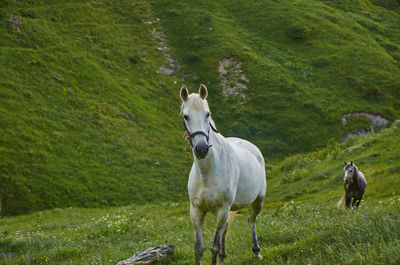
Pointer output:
x,y
149,256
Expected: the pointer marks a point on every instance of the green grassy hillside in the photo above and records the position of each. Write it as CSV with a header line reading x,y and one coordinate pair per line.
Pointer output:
x,y
316,176
88,119
299,223
307,62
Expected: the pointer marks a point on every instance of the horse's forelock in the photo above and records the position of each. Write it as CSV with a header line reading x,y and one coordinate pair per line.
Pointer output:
x,y
195,102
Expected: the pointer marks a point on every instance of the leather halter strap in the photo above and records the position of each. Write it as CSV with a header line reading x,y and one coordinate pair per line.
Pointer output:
x,y
191,135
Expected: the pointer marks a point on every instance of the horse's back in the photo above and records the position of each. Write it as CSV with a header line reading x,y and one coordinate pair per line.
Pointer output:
x,y
246,145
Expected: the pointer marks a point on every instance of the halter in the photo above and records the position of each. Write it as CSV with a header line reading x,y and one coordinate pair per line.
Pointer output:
x,y
191,135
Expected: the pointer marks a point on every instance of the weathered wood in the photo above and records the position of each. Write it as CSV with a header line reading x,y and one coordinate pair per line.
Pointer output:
x,y
149,256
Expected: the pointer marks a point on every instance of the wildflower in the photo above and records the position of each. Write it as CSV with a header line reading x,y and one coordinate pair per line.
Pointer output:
x,y
8,256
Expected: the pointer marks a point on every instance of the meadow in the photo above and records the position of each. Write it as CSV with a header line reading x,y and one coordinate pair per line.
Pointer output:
x,y
296,226
296,232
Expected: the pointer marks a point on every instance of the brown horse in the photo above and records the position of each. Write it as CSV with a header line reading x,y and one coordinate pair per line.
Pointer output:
x,y
354,186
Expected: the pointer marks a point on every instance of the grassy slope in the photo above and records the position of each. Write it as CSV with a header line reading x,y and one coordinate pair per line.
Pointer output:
x,y
316,176
293,228
108,133
308,62
101,136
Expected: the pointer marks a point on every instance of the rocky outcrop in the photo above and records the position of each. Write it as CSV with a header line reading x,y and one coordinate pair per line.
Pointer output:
x,y
159,36
376,120
233,80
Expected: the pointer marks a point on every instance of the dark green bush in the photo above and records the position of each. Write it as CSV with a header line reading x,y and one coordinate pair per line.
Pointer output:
x,y
298,32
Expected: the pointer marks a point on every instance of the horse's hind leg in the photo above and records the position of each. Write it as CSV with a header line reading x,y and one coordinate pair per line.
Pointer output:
x,y
255,211
222,253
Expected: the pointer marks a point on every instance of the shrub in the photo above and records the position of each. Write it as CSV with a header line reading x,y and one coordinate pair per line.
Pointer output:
x,y
298,32
192,57
321,61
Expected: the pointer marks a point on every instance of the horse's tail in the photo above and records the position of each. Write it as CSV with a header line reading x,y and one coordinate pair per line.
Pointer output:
x,y
232,215
339,203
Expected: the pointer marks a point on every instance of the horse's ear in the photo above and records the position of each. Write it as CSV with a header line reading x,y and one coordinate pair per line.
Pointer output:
x,y
203,91
184,93
345,163
351,162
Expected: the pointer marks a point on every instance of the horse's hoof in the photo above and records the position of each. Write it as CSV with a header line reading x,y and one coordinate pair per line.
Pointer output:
x,y
258,256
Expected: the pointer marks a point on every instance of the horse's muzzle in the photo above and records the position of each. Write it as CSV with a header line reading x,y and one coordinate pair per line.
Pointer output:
x,y
201,150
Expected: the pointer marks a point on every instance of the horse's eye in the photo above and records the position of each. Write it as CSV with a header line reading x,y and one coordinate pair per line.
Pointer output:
x,y
186,117
208,114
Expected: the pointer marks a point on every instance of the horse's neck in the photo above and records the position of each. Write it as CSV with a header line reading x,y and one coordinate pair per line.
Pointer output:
x,y
360,176
356,176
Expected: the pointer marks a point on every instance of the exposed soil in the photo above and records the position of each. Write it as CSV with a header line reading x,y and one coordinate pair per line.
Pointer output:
x,y
161,39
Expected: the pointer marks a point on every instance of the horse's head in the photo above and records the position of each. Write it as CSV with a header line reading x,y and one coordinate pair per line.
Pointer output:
x,y
197,120
349,172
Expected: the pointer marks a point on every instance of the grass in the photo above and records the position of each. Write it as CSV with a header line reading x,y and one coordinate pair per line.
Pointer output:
x,y
82,108
315,176
295,233
297,226
87,120
308,62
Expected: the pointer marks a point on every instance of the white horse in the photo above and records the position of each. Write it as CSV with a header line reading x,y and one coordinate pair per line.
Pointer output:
x,y
227,174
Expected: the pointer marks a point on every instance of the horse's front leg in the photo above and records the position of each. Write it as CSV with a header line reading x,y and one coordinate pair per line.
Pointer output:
x,y
358,202
348,202
197,217
222,218
353,203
